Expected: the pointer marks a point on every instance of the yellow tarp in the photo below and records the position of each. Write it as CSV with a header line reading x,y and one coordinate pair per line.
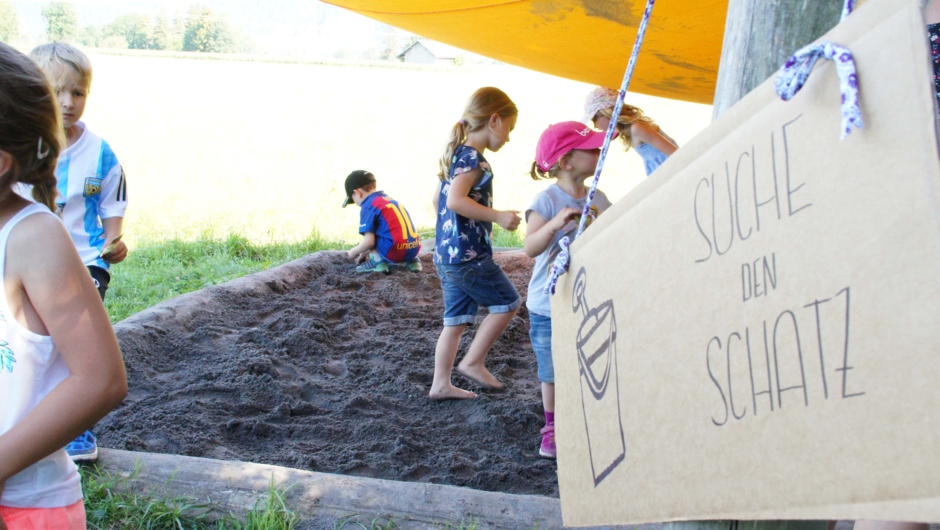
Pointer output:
x,y
587,40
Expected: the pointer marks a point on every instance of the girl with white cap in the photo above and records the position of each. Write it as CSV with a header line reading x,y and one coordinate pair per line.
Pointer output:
x,y
636,129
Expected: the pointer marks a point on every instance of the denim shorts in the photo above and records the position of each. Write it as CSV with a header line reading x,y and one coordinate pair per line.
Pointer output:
x,y
540,333
472,284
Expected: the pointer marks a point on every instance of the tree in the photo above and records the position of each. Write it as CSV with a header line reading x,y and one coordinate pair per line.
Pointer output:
x,y
135,29
9,23
206,32
200,28
162,31
61,21
89,36
760,36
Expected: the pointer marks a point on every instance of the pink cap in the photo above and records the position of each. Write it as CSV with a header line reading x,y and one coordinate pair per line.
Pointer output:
x,y
562,137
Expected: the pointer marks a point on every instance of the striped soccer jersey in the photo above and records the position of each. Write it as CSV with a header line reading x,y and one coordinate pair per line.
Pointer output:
x,y
91,187
395,236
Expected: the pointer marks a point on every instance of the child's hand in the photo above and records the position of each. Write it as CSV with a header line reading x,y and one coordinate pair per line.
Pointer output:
x,y
508,220
352,254
115,252
564,217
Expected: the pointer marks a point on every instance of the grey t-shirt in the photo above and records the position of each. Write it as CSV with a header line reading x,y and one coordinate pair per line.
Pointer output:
x,y
547,204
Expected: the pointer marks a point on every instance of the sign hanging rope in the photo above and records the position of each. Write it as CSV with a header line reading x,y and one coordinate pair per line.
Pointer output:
x,y
560,265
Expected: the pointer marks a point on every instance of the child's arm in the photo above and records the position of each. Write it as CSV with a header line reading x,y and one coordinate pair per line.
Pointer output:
x,y
459,201
436,198
111,210
932,11
112,229
540,233
646,133
49,288
367,244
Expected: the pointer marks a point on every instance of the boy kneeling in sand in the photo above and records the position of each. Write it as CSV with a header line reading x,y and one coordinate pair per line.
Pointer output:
x,y
388,235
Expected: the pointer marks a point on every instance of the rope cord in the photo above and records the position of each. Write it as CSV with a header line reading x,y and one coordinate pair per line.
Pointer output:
x,y
561,263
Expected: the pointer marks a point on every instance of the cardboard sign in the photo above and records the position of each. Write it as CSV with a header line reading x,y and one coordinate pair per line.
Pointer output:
x,y
754,332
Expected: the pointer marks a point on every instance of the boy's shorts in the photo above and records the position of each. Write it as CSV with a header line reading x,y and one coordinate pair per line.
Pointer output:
x,y
409,257
540,333
102,279
472,284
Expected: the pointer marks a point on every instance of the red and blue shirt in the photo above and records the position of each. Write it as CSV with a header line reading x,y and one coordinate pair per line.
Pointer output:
x,y
395,236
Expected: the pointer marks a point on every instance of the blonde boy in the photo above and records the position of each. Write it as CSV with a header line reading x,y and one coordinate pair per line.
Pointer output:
x,y
92,188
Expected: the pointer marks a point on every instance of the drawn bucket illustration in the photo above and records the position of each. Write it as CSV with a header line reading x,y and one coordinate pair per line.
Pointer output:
x,y
600,392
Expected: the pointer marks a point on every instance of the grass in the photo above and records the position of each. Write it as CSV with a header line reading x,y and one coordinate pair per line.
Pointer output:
x,y
110,504
157,271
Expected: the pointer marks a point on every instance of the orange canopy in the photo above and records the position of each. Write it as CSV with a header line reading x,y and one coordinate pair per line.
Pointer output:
x,y
586,40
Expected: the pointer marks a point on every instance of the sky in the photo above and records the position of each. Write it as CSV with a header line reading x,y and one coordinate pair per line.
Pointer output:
x,y
305,27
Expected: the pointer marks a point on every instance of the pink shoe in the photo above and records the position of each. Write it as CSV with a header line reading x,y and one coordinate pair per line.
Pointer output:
x,y
547,449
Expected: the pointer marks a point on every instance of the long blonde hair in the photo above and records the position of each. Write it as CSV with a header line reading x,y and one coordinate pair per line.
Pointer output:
x,y
483,103
30,127
628,116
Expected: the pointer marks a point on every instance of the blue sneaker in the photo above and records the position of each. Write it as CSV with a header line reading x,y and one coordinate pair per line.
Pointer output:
x,y
84,448
373,265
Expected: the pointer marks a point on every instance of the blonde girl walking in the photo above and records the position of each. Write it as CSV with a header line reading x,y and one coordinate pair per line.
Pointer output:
x,y
463,252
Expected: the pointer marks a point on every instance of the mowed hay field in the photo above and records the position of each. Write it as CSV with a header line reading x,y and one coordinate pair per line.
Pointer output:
x,y
213,147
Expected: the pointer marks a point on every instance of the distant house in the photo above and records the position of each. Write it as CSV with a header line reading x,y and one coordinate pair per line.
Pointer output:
x,y
430,52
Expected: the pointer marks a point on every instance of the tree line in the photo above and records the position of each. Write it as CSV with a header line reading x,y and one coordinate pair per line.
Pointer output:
x,y
199,29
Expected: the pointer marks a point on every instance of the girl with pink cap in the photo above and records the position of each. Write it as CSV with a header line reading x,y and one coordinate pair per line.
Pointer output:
x,y
636,129
567,152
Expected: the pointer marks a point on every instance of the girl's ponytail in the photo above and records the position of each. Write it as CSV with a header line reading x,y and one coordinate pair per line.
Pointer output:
x,y
45,190
538,173
483,103
30,130
628,116
458,135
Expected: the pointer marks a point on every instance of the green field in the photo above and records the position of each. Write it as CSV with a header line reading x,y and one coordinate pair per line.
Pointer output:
x,y
216,147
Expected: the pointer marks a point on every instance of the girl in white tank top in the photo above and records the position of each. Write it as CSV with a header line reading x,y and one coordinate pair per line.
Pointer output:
x,y
60,364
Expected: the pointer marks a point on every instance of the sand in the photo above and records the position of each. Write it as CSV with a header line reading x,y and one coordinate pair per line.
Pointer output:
x,y
314,366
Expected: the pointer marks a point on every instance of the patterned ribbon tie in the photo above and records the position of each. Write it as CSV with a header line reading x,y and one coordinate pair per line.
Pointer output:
x,y
796,70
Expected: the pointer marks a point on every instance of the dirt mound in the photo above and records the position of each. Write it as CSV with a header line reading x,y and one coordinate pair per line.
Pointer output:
x,y
314,367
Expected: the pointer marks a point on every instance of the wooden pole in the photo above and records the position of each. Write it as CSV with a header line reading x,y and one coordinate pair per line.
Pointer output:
x,y
760,35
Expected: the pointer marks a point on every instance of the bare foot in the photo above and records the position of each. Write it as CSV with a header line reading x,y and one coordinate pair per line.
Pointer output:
x,y
450,392
481,376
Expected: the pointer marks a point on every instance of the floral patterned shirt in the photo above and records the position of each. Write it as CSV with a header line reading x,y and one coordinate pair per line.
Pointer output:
x,y
933,33
459,238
